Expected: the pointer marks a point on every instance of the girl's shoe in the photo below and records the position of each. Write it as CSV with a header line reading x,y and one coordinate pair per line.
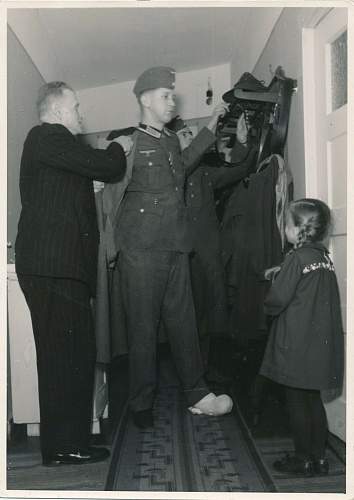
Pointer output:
x,y
321,466
294,465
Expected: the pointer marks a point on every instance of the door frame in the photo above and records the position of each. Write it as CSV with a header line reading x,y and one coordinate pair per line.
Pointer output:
x,y
309,100
312,189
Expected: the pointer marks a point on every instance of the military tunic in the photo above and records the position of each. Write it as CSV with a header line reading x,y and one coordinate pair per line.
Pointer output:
x,y
153,240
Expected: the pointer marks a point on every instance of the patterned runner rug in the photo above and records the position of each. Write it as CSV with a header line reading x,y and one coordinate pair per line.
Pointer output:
x,y
185,452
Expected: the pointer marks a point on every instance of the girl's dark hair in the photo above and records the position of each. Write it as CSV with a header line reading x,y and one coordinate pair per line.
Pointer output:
x,y
313,217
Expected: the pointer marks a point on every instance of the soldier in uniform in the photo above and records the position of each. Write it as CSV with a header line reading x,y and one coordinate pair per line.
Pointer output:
x,y
207,273
153,244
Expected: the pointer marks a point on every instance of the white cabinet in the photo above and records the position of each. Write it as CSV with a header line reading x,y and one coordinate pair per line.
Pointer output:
x,y
23,389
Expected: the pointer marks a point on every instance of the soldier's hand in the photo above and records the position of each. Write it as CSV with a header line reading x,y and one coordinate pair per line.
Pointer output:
x,y
242,130
98,186
219,111
126,142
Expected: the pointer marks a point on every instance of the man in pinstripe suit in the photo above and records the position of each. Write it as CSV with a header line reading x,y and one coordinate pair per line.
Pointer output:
x,y
56,263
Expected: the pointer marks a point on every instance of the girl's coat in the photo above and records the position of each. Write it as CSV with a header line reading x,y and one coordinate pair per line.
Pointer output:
x,y
305,347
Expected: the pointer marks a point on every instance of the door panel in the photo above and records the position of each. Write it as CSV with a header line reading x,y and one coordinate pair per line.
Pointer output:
x,y
326,71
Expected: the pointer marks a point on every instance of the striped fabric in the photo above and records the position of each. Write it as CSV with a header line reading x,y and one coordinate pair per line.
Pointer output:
x,y
57,232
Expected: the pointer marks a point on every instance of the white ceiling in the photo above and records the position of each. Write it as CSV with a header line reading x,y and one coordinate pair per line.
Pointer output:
x,y
100,46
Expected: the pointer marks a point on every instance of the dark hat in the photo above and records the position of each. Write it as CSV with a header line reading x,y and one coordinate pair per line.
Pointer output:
x,y
117,133
155,78
176,124
246,82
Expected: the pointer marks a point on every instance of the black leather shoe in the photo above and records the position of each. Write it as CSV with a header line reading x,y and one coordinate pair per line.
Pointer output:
x,y
143,418
294,465
321,466
77,457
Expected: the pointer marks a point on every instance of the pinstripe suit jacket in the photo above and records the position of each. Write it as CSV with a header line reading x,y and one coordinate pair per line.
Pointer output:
x,y
57,231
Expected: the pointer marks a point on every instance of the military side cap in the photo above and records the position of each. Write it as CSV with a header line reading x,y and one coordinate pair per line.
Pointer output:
x,y
176,124
155,78
246,82
117,133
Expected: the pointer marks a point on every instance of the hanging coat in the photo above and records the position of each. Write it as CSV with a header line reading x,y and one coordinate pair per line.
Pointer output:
x,y
207,273
108,308
251,242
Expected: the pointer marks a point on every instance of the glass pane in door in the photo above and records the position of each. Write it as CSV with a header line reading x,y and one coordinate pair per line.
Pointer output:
x,y
339,71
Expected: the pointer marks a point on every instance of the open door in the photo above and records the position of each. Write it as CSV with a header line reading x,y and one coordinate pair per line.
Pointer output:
x,y
325,114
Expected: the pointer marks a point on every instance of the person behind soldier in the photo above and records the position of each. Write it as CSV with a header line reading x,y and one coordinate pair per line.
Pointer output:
x,y
153,245
207,274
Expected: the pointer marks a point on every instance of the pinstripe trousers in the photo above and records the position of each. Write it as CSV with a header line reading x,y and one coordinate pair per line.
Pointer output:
x,y
65,346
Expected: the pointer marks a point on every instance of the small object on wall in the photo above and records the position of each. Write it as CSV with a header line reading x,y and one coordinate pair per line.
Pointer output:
x,y
209,94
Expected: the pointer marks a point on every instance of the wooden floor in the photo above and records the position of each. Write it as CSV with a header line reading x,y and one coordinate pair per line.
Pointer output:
x,y
25,471
24,466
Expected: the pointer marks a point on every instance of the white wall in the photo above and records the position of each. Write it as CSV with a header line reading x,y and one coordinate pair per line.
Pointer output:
x,y
32,34
23,82
284,48
115,106
260,23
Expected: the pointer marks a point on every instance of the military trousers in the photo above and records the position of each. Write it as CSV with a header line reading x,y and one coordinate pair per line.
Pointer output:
x,y
155,287
66,351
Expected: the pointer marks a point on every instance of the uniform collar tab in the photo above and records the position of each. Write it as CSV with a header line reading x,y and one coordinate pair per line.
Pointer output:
x,y
148,129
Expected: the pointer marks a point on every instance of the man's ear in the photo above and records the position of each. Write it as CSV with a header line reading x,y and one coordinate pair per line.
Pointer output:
x,y
145,99
56,110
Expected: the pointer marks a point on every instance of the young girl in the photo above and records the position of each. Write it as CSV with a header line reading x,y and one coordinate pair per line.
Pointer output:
x,y
305,346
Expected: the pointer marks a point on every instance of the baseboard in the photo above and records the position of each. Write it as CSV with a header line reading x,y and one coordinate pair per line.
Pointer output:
x,y
338,446
336,417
